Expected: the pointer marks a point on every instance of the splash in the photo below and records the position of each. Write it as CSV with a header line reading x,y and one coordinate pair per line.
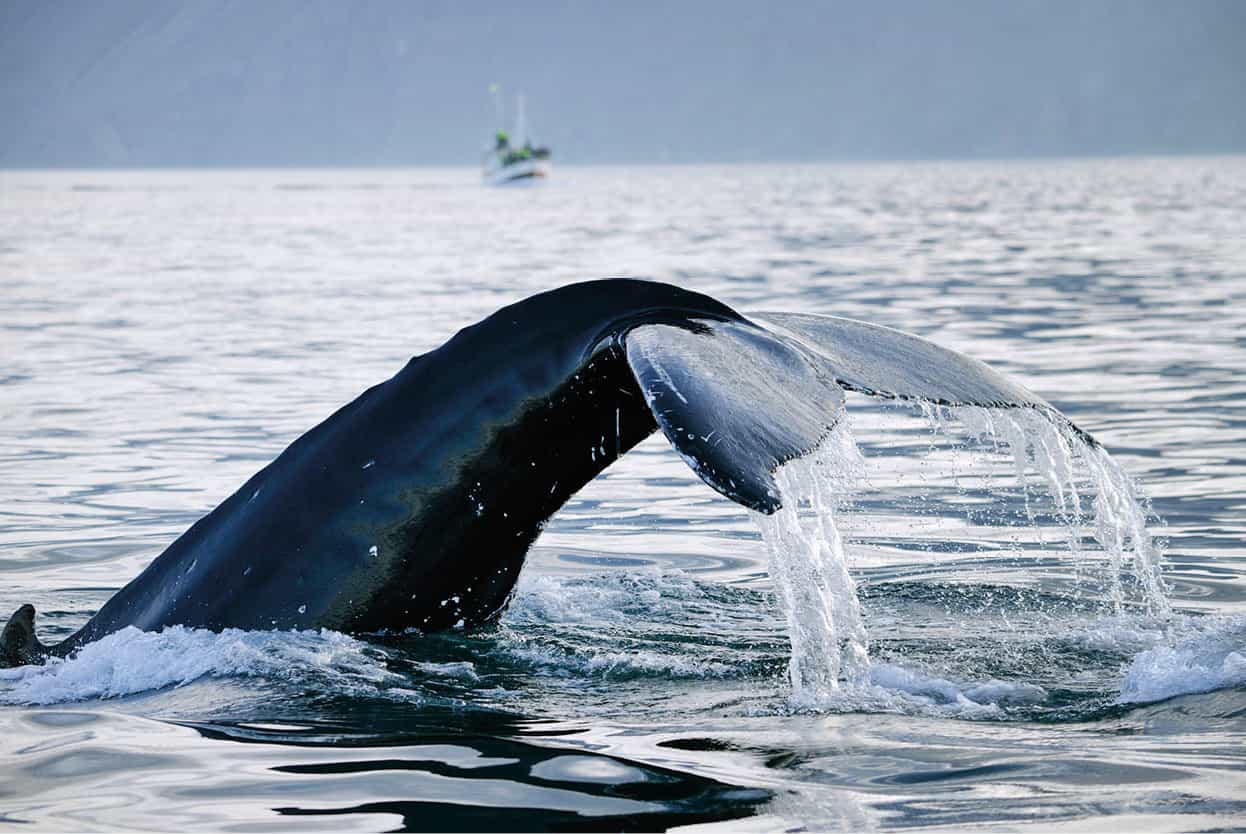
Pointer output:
x,y
656,620
809,567
1076,474
1202,656
131,661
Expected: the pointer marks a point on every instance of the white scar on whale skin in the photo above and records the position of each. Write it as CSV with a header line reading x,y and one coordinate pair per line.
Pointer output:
x,y
663,375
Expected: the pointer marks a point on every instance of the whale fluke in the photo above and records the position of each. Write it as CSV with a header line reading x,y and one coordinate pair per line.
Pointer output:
x,y
413,507
883,362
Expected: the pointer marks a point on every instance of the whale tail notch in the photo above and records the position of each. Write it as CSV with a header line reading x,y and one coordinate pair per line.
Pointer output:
x,y
19,645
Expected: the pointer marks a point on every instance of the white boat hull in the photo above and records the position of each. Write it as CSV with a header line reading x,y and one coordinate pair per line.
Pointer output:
x,y
525,170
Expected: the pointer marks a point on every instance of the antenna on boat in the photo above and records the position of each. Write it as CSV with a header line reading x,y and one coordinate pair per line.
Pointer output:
x,y
521,121
495,90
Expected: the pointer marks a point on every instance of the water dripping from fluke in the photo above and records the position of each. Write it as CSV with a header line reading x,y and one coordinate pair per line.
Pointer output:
x,y
809,568
830,664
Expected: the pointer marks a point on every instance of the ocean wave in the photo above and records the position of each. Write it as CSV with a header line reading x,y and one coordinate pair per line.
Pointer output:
x,y
894,688
131,661
612,596
562,662
1210,655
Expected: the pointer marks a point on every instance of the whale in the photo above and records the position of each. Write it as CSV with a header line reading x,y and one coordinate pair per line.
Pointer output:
x,y
413,506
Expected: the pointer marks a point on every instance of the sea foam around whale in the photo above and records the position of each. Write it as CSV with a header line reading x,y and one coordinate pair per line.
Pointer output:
x,y
1162,659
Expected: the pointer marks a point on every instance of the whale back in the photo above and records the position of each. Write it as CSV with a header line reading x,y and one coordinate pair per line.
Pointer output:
x,y
413,506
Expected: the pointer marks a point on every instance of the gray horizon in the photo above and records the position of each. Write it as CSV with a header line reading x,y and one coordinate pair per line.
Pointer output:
x,y
134,83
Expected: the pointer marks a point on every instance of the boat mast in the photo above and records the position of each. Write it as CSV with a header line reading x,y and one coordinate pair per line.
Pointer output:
x,y
495,92
521,122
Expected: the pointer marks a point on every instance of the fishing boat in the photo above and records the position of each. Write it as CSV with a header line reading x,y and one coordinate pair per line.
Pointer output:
x,y
513,157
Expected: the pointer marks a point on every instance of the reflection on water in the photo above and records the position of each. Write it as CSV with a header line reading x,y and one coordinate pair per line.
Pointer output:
x,y
166,334
442,775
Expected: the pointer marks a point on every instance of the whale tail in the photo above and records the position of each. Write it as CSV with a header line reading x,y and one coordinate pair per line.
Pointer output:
x,y
518,412
19,646
881,362
738,399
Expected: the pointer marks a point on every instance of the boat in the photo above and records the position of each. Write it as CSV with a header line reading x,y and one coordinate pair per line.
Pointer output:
x,y
514,159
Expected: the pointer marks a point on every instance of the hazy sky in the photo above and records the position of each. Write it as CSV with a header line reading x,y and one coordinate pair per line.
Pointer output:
x,y
313,82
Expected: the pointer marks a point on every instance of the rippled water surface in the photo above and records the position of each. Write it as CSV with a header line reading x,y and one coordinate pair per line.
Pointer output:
x,y
165,334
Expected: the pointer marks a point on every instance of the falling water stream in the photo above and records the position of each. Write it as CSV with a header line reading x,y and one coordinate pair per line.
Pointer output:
x,y
809,563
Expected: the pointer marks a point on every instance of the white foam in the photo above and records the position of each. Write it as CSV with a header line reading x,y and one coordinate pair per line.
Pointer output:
x,y
613,596
461,670
624,600
131,661
893,688
617,664
1127,634
1206,656
909,689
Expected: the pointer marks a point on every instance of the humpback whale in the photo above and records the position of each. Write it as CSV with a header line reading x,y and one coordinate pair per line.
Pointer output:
x,y
413,506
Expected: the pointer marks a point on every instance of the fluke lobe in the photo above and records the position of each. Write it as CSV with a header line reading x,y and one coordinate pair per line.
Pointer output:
x,y
413,506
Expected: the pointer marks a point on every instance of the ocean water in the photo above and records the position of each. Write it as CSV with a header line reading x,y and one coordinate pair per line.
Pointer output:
x,y
983,659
